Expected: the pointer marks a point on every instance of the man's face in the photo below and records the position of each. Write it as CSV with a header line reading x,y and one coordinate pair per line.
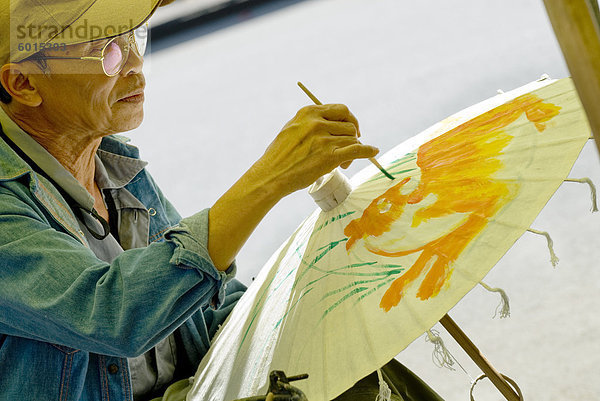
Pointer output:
x,y
78,96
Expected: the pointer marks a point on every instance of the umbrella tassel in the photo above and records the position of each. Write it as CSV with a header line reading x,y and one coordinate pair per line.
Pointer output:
x,y
504,307
553,258
586,180
385,393
441,356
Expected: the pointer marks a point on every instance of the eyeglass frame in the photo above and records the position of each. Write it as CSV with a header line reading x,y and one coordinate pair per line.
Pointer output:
x,y
130,41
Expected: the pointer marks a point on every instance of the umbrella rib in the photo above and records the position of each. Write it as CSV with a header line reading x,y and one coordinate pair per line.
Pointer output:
x,y
257,309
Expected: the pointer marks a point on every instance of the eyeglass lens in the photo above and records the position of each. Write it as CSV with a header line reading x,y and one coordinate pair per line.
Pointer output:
x,y
113,58
117,50
141,38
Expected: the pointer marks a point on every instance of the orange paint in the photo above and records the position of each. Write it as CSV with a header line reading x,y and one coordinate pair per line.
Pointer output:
x,y
467,157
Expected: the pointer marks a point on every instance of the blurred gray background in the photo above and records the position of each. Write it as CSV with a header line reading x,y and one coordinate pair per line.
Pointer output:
x,y
217,94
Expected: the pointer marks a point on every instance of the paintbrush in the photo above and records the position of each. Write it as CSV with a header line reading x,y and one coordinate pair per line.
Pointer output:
x,y
371,159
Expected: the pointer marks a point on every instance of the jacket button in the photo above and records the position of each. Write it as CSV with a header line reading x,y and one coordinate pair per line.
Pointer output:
x,y
152,211
113,369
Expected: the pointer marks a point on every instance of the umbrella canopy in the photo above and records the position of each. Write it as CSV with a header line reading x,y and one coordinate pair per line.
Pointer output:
x,y
356,284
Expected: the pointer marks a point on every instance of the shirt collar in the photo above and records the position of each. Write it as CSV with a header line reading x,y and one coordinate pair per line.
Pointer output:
x,y
114,171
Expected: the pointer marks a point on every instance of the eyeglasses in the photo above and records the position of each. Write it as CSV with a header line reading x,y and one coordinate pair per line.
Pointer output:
x,y
115,52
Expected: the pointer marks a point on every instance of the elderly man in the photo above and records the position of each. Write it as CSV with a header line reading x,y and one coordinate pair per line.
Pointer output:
x,y
106,293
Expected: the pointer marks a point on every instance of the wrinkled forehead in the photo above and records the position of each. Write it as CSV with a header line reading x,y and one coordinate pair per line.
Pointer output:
x,y
28,26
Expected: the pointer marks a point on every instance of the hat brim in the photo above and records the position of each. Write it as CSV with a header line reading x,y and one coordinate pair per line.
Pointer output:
x,y
100,20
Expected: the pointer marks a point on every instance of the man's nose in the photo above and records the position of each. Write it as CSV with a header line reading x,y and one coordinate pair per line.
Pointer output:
x,y
134,62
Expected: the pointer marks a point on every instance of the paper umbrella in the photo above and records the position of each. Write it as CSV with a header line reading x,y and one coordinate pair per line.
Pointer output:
x,y
384,260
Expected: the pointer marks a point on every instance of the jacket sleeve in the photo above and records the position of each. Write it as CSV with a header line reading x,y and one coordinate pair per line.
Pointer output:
x,y
54,289
194,236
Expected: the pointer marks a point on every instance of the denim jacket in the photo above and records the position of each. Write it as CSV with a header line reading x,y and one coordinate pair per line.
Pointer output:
x,y
69,321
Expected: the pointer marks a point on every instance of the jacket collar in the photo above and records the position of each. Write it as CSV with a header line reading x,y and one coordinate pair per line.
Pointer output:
x,y
11,165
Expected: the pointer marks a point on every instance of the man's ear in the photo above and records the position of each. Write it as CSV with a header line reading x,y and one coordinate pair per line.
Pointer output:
x,y
17,82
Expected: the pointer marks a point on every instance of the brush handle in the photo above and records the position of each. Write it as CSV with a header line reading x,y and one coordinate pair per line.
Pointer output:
x,y
318,102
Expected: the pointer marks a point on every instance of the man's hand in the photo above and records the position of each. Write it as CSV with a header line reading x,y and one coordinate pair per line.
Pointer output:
x,y
317,140
314,142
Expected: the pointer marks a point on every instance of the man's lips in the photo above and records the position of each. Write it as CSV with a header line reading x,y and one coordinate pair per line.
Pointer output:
x,y
134,97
